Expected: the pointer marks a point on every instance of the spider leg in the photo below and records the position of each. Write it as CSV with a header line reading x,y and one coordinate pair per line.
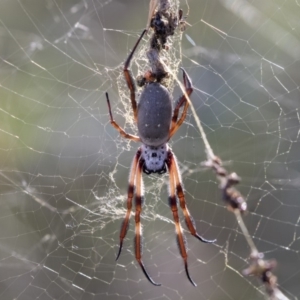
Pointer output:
x,y
129,79
182,100
130,192
138,209
120,129
188,218
173,205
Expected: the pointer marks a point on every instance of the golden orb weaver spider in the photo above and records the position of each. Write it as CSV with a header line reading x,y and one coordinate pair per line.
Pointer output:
x,y
156,125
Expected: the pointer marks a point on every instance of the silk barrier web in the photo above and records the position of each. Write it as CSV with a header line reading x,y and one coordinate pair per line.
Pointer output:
x,y
64,169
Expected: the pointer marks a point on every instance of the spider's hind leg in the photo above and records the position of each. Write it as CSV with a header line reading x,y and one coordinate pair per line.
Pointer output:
x,y
128,76
118,127
182,101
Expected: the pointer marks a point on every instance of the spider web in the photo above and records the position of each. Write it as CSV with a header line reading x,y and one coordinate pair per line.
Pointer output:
x,y
64,168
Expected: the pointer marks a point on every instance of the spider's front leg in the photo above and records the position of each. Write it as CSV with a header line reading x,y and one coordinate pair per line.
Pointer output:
x,y
135,175
190,223
173,206
138,233
176,187
130,193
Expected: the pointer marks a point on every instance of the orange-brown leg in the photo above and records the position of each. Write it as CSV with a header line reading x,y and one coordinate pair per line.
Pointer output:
x,y
190,223
182,100
138,233
129,79
173,205
120,129
130,193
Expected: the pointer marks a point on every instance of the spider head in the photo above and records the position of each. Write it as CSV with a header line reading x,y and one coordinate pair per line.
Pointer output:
x,y
154,158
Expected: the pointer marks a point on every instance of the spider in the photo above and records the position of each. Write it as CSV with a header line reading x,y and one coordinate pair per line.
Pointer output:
x,y
156,125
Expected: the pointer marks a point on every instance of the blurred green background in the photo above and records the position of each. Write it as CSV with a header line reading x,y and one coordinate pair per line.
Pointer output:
x,y
64,169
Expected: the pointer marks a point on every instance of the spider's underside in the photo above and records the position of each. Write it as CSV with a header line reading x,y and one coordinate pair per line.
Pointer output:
x,y
156,125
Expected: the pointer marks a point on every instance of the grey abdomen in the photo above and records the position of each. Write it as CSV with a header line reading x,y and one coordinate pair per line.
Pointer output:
x,y
154,114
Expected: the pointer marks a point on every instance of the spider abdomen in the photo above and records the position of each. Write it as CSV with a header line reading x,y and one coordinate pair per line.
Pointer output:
x,y
154,114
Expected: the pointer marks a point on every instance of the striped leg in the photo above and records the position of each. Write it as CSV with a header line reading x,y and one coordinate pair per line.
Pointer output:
x,y
190,223
138,209
173,204
130,193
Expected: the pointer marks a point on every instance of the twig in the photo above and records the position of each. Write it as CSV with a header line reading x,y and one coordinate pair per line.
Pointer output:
x,y
164,21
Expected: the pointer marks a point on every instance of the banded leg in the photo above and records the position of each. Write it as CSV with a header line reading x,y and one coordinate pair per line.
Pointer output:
x,y
116,126
129,79
173,205
138,233
190,223
130,193
182,100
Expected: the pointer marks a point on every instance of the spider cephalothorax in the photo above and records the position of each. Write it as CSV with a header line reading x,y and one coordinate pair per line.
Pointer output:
x,y
154,158
156,125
